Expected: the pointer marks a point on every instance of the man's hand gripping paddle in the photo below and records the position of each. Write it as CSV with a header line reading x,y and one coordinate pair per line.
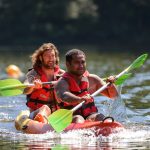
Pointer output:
x,y
12,87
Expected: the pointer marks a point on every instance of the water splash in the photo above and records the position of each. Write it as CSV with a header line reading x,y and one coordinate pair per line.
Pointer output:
x,y
118,109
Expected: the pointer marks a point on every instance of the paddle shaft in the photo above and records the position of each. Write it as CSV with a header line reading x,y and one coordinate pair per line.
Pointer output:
x,y
43,83
99,90
22,85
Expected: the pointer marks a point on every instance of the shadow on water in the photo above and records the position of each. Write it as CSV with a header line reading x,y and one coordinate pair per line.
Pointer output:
x,y
132,108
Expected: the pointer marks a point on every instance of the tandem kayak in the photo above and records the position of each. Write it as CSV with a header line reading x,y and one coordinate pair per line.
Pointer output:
x,y
29,126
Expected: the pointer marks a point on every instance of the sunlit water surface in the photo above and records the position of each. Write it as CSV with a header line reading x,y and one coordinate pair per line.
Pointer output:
x,y
132,109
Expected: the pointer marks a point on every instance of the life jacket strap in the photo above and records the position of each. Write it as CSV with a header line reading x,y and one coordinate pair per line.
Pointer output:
x,y
77,93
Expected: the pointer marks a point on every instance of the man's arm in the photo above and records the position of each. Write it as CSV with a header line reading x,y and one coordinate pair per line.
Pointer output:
x,y
63,93
30,79
61,72
96,82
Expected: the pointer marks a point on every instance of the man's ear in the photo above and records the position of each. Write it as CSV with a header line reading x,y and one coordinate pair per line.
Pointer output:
x,y
67,64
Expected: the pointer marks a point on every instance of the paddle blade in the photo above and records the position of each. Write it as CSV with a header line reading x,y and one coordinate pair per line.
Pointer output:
x,y
138,62
8,87
60,119
122,79
8,82
10,92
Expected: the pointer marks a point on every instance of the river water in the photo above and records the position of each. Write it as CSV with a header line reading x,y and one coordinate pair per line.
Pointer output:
x,y
132,109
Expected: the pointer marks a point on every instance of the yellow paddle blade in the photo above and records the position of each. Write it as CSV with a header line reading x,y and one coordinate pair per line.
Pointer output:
x,y
60,119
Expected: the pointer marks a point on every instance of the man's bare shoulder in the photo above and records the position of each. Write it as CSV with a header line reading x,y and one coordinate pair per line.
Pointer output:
x,y
95,78
94,82
61,87
31,75
31,72
61,71
62,83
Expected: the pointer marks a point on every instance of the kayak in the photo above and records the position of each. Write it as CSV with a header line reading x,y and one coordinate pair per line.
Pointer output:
x,y
104,128
29,126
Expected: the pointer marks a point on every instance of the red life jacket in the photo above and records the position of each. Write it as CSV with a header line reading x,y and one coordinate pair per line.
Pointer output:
x,y
44,96
79,90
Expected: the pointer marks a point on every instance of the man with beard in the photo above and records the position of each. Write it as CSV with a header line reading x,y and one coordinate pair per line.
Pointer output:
x,y
77,84
45,62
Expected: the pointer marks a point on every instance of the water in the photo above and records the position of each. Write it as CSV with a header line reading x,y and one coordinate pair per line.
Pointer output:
x,y
132,109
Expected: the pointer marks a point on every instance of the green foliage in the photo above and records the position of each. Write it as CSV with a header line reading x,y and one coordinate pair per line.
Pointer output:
x,y
28,22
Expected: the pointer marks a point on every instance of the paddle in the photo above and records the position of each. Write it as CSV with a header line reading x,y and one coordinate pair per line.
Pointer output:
x,y
12,87
121,79
61,118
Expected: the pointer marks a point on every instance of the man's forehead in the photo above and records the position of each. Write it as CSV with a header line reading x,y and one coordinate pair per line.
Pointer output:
x,y
49,51
78,56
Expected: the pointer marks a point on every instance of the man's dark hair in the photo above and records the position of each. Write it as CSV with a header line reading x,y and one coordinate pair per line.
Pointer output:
x,y
72,52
